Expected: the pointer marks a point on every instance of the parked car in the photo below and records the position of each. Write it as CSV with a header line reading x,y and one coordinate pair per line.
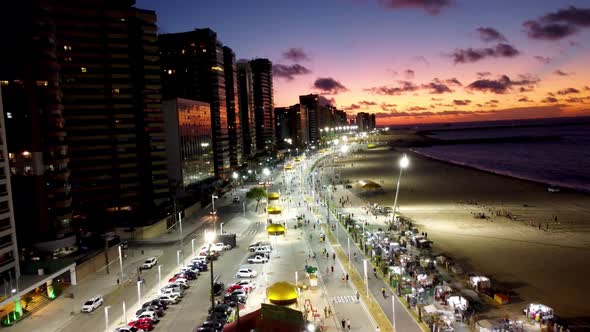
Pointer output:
x,y
149,314
219,317
218,288
92,304
177,277
234,298
263,250
128,329
240,292
124,244
158,311
187,274
212,325
181,283
257,259
156,303
236,199
222,308
223,246
246,273
145,324
170,291
169,298
253,246
149,263
232,288
249,285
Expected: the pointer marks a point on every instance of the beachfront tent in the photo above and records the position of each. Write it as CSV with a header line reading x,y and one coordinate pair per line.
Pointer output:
x,y
273,196
282,293
458,302
368,186
539,312
275,229
480,282
274,210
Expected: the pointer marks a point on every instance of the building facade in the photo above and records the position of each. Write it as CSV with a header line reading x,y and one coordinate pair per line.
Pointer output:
x,y
234,128
289,128
263,105
365,121
9,261
246,101
189,142
311,107
193,68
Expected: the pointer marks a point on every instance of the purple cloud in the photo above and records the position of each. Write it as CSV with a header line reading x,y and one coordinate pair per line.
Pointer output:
x,y
525,99
463,102
432,7
289,71
488,34
502,85
295,54
559,24
560,72
329,86
568,91
409,74
543,59
469,55
405,86
550,100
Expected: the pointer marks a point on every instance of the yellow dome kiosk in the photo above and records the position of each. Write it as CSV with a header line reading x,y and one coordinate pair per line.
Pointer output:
x,y
282,293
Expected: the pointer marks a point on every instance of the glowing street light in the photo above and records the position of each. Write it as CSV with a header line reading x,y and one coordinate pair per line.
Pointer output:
x,y
266,171
235,175
403,163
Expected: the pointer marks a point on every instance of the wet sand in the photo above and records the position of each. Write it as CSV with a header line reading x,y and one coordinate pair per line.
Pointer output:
x,y
550,266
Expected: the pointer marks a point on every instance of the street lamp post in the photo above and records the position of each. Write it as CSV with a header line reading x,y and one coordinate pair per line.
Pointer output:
x,y
403,163
393,310
106,318
139,293
178,257
213,198
366,277
159,275
124,312
193,247
121,261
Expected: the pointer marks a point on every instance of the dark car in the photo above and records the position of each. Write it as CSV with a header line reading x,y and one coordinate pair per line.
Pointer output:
x,y
190,274
213,325
218,288
207,329
156,302
219,317
224,308
234,298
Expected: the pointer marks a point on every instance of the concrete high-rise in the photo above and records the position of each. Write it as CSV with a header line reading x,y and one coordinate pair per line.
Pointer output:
x,y
247,114
92,67
193,68
290,130
234,129
311,105
9,262
263,105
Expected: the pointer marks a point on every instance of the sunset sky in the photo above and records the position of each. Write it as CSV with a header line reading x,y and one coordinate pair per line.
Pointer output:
x,y
410,61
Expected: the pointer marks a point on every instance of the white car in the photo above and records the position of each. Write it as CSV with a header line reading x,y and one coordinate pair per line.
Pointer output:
x,y
172,286
149,263
169,298
171,291
128,329
200,259
149,314
240,292
92,304
181,283
246,273
258,259
222,245
262,250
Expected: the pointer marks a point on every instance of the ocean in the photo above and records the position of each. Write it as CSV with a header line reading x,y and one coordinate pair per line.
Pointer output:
x,y
564,162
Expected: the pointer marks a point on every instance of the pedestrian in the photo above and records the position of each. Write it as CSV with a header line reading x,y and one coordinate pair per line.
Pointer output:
x,y
383,291
117,281
327,255
326,312
343,324
358,297
377,329
334,256
332,268
348,323
329,311
347,277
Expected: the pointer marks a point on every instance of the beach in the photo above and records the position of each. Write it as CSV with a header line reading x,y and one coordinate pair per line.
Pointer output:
x,y
532,242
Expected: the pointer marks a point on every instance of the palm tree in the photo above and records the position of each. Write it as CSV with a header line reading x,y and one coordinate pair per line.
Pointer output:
x,y
256,193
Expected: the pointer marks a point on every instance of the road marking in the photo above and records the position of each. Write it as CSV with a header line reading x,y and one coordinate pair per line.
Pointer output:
x,y
344,299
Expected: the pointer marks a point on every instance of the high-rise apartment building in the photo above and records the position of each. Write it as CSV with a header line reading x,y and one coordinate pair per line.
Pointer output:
x,y
311,105
193,68
97,146
290,130
246,101
234,129
363,121
263,104
188,141
9,262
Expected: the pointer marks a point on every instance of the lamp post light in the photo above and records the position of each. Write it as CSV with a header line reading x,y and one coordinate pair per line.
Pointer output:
x,y
235,175
124,312
106,318
403,163
393,310
209,237
213,198
221,228
366,277
121,261
178,257
193,246
159,275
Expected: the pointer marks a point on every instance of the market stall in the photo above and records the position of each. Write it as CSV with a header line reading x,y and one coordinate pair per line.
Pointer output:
x,y
458,302
538,312
480,283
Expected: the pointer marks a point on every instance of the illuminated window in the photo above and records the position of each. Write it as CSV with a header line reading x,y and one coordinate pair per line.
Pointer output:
x,y
169,71
3,82
67,48
116,92
11,155
26,154
83,69
182,52
217,68
41,83
9,115
68,59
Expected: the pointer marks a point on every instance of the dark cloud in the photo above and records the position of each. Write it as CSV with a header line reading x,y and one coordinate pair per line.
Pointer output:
x,y
469,55
453,81
587,88
416,109
581,100
367,103
405,86
550,100
388,107
488,34
463,102
502,84
392,72
436,88
568,91
543,59
421,59
432,7
325,101
560,73
409,74
483,74
351,107
295,54
329,86
525,99
431,113
289,71
559,24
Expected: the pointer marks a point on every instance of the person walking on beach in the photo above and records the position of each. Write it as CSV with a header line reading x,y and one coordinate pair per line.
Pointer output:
x,y
348,323
343,323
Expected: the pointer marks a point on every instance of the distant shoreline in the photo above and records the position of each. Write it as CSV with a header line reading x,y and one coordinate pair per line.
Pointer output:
x,y
562,187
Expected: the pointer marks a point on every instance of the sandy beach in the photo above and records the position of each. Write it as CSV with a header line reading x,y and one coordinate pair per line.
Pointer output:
x,y
547,265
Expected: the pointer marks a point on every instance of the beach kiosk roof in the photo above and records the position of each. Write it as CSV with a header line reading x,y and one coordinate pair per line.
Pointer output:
x,y
274,210
282,293
368,185
273,196
275,229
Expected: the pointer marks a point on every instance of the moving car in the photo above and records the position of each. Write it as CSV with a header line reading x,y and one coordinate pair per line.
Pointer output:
x,y
257,259
246,273
149,263
92,304
236,199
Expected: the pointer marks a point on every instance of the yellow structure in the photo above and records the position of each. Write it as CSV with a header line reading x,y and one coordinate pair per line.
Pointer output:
x,y
288,167
273,196
371,146
282,293
275,229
